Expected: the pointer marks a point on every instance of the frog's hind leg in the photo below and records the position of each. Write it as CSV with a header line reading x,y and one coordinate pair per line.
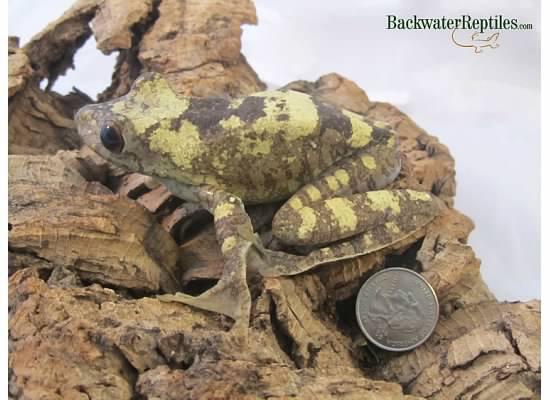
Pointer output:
x,y
322,211
230,296
339,205
392,215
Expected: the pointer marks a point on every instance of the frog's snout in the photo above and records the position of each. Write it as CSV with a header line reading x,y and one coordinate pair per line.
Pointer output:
x,y
84,115
86,123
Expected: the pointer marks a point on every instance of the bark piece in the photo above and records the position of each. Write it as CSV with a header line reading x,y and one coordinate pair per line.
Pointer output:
x,y
106,344
134,185
154,199
42,170
112,24
444,255
206,31
201,258
207,35
312,342
475,343
55,220
88,163
71,168
40,123
52,50
19,67
106,238
72,342
247,382
335,89
472,352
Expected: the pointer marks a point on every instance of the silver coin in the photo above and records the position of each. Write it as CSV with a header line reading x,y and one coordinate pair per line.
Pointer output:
x,y
397,309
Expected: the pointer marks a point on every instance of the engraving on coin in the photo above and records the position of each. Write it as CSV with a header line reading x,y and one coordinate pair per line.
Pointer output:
x,y
397,309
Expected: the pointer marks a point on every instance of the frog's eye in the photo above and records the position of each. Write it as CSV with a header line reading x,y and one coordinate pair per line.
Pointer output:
x,y
111,138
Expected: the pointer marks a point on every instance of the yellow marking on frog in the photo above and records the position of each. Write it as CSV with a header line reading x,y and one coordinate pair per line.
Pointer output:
x,y
228,243
382,199
361,131
183,146
343,212
151,90
236,103
368,161
342,176
309,222
218,163
332,183
326,154
247,144
302,114
210,180
313,193
392,227
157,94
256,146
380,124
367,239
416,195
293,185
223,210
233,122
295,203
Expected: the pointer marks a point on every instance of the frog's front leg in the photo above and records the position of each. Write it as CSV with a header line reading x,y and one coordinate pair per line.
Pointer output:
x,y
230,296
328,210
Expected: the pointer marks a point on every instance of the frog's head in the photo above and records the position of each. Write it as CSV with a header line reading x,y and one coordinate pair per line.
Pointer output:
x,y
119,129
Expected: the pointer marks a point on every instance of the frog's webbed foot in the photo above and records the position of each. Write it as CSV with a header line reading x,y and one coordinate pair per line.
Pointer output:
x,y
230,296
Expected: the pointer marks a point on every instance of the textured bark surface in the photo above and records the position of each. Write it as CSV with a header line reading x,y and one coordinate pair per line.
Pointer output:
x,y
90,246
57,220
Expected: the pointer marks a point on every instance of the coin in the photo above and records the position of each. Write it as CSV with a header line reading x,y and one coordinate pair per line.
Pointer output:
x,y
397,309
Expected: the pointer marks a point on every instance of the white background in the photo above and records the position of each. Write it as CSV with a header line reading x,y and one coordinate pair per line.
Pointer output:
x,y
485,107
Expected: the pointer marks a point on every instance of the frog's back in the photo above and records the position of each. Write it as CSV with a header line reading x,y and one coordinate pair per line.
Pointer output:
x,y
267,145
261,147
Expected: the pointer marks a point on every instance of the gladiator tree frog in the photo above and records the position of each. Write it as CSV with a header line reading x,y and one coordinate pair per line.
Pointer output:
x,y
329,164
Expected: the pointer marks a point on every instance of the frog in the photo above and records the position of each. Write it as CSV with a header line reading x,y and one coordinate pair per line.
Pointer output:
x,y
330,168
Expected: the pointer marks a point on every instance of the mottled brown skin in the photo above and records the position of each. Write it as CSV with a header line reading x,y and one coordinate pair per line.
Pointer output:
x,y
330,164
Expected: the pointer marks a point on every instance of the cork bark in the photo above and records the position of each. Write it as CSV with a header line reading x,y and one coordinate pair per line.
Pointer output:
x,y
90,246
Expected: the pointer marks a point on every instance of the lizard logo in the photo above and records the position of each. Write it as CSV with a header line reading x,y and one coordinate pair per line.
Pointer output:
x,y
478,41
